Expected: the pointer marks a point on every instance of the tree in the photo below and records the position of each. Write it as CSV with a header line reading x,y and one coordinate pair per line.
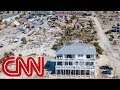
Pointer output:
x,y
114,42
91,23
73,17
24,41
6,54
55,47
110,39
20,55
0,22
98,48
112,36
96,44
94,32
88,40
119,36
16,18
44,54
1,59
11,53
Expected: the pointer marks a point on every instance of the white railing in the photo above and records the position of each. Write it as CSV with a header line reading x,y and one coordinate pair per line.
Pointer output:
x,y
74,67
76,59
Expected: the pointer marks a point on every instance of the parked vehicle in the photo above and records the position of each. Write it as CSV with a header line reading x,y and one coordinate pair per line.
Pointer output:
x,y
106,67
106,72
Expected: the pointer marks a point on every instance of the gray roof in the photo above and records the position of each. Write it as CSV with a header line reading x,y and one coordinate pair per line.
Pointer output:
x,y
77,48
9,15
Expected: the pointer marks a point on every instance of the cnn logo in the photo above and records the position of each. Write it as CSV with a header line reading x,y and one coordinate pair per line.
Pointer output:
x,y
21,65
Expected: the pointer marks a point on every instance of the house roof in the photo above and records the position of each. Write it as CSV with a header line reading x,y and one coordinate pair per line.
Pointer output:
x,y
76,48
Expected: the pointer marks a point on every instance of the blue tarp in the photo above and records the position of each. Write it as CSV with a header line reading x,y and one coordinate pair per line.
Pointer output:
x,y
50,66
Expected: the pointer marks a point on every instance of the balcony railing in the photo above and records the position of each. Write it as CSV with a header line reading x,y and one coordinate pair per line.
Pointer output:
x,y
74,67
76,59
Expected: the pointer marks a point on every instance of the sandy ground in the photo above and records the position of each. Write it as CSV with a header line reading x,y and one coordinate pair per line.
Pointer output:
x,y
110,57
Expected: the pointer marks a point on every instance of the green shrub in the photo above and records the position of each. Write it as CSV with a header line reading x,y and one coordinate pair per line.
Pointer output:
x,y
94,32
119,36
20,55
73,17
99,50
55,47
112,36
110,39
1,59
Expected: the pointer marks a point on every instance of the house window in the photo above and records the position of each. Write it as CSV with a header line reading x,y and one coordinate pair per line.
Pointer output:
x,y
58,71
69,56
72,72
89,63
82,72
59,63
70,63
92,72
91,56
81,63
67,72
62,71
76,63
59,56
77,72
87,72
66,63
88,56
80,55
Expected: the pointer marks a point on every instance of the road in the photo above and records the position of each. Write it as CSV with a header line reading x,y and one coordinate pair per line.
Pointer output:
x,y
103,40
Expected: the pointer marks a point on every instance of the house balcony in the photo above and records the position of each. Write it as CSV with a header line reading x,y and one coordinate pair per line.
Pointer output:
x,y
74,67
71,59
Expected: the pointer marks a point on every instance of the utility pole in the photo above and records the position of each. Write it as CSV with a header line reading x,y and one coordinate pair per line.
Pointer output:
x,y
115,72
0,22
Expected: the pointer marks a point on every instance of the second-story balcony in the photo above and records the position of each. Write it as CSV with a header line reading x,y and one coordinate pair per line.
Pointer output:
x,y
74,67
75,59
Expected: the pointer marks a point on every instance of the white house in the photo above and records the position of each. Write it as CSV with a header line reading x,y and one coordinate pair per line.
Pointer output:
x,y
76,59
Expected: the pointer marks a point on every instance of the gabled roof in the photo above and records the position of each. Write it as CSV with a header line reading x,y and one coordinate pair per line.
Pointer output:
x,y
76,48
